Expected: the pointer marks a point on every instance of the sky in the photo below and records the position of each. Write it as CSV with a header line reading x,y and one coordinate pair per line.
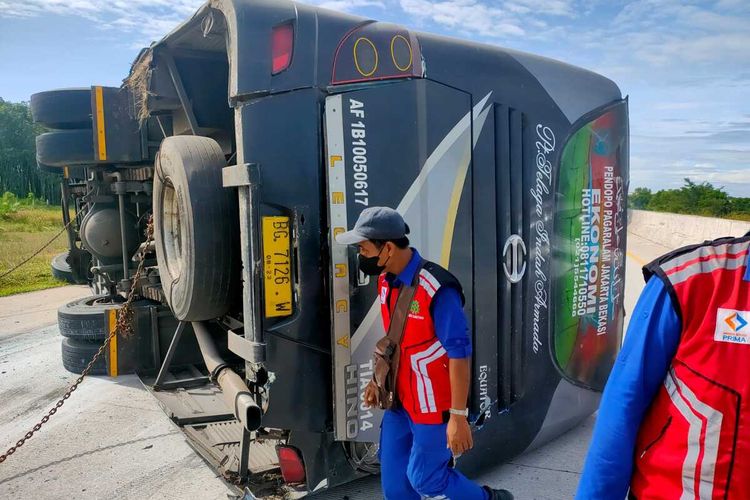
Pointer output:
x,y
684,64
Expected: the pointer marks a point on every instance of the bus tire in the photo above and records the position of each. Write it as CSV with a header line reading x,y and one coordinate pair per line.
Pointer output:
x,y
65,147
61,268
76,355
195,227
85,319
62,109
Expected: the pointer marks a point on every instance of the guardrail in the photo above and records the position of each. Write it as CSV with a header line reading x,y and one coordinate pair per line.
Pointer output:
x,y
676,230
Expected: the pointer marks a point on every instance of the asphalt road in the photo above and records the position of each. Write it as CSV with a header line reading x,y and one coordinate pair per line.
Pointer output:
x,y
112,440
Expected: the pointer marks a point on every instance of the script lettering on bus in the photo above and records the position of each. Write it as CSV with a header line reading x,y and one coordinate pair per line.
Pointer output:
x,y
545,146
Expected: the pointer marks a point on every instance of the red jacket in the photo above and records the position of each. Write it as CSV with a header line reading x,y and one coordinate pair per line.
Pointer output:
x,y
422,381
695,439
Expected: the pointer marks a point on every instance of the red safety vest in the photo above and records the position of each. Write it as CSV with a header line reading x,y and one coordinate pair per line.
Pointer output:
x,y
422,382
695,439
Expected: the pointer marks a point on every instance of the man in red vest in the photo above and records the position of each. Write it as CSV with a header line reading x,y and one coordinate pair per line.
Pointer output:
x,y
674,421
429,421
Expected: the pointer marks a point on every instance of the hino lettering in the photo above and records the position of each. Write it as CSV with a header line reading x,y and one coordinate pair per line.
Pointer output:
x,y
352,401
510,169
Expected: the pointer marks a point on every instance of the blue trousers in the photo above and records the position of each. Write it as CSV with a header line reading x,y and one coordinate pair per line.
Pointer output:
x,y
414,462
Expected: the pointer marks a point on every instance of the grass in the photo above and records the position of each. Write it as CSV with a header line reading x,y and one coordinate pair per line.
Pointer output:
x,y
22,233
739,216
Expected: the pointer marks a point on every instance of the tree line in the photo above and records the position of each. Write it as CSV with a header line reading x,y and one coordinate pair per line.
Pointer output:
x,y
19,173
693,199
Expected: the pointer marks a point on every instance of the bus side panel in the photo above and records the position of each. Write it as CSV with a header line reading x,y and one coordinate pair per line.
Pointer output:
x,y
487,254
405,145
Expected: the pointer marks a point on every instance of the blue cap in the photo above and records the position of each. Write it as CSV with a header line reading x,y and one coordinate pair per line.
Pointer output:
x,y
375,223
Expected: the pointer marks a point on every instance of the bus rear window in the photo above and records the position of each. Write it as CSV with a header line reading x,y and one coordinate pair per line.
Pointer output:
x,y
589,256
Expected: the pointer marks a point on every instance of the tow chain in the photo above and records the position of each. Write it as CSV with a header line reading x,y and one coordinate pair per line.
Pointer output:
x,y
123,326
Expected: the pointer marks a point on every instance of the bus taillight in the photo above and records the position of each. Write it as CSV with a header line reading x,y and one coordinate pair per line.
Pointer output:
x,y
282,43
290,462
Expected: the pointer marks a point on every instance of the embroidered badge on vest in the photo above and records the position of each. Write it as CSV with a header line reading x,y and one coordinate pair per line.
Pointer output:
x,y
415,310
732,326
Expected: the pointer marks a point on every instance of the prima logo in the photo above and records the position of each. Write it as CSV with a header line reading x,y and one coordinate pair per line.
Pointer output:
x,y
514,258
731,326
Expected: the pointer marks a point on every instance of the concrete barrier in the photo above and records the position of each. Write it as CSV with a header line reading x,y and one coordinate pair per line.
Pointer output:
x,y
676,230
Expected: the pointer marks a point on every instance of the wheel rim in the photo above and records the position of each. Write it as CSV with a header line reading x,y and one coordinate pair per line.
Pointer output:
x,y
172,230
105,301
364,456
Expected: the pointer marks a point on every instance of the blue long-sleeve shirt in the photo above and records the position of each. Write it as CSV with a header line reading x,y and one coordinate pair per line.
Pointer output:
x,y
650,344
447,312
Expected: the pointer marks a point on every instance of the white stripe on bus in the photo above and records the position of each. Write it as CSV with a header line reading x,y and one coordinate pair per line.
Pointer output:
x,y
437,154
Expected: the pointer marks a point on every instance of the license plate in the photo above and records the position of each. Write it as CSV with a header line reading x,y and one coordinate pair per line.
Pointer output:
x,y
277,267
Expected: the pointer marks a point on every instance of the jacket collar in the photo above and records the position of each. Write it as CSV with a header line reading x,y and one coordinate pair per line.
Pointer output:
x,y
407,275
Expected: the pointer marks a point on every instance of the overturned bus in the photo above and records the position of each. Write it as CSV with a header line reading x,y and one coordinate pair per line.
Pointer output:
x,y
258,130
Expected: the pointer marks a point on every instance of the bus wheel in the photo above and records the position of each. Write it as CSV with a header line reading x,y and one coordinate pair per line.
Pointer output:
x,y
63,109
86,318
60,148
61,269
76,355
196,227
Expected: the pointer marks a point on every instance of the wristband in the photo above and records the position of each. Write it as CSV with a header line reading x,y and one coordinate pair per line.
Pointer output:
x,y
463,413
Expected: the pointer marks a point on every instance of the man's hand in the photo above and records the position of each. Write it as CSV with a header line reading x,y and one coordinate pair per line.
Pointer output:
x,y
371,394
458,433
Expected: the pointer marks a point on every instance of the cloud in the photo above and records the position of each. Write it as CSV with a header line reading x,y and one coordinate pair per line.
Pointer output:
x,y
707,172
492,20
735,181
541,7
144,20
726,157
12,9
677,105
664,42
349,5
727,48
466,16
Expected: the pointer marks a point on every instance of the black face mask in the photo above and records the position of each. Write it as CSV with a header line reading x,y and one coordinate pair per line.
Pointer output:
x,y
369,265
